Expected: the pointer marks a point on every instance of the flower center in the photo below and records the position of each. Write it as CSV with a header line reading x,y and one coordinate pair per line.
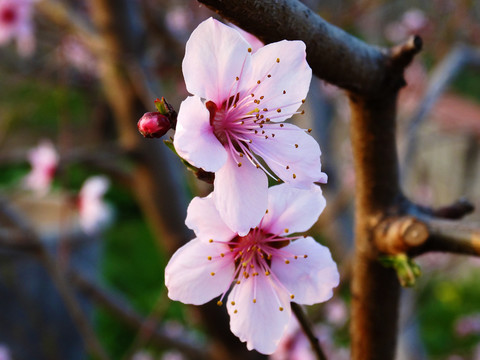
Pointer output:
x,y
8,15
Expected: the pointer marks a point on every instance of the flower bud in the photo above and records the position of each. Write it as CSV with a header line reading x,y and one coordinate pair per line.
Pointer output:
x,y
153,125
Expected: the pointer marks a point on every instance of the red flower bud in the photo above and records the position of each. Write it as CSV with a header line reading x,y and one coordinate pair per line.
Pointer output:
x,y
153,125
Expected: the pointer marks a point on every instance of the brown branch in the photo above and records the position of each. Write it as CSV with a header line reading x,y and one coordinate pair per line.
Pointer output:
x,y
334,55
451,236
397,235
307,329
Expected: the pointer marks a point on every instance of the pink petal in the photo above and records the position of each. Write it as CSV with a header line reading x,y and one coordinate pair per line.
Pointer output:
x,y
194,139
240,195
215,55
293,209
292,155
260,324
204,219
188,273
290,77
311,280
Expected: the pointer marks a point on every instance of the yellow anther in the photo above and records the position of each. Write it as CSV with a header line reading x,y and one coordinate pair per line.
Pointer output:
x,y
279,110
254,301
241,155
233,303
238,282
266,211
303,112
292,296
296,257
267,273
235,311
258,166
211,240
303,101
249,49
287,262
294,176
305,256
266,136
237,78
209,258
261,97
282,125
309,130
296,145
222,255
284,92
286,230
251,266
278,60
219,303
269,75
212,273
287,167
239,164
280,308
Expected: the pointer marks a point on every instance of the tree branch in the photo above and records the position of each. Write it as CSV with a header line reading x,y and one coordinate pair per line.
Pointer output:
x,y
307,329
334,55
84,327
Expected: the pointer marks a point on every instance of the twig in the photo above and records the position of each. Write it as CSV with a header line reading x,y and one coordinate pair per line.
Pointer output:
x,y
441,77
122,310
75,310
307,329
451,236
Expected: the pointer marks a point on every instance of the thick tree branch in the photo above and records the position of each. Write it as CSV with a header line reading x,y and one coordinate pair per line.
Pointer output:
x,y
334,55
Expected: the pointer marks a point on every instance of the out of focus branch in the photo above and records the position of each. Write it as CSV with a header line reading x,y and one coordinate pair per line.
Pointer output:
x,y
442,75
308,330
19,223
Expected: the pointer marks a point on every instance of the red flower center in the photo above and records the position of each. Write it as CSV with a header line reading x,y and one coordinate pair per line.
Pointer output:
x,y
8,15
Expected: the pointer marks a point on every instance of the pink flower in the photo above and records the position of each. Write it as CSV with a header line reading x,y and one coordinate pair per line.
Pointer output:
x,y
268,268
44,161
234,118
16,23
94,212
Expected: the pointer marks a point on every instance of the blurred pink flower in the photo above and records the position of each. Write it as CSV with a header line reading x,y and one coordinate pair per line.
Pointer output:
x,y
94,212
413,22
16,24
268,268
295,345
336,312
4,352
240,99
44,161
76,54
468,325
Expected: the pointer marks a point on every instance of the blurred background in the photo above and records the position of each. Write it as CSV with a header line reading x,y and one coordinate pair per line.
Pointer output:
x,y
108,205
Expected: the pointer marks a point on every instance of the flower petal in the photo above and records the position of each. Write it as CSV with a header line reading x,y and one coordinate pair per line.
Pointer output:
x,y
240,195
194,138
289,79
295,210
260,324
188,273
309,279
291,154
215,55
204,219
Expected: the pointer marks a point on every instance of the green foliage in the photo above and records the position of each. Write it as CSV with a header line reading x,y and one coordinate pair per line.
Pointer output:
x,y
441,303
